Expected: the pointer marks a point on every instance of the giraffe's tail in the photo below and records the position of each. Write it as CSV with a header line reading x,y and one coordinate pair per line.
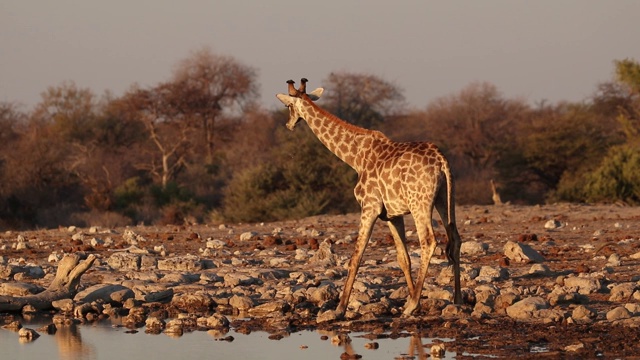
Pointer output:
x,y
451,213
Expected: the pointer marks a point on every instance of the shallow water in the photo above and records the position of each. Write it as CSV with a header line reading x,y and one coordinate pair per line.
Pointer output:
x,y
103,341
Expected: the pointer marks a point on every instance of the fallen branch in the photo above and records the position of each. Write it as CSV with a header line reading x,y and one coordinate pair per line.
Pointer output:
x,y
63,286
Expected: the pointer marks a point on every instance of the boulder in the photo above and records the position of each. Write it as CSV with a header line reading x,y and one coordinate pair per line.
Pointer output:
x,y
181,263
124,261
583,285
527,308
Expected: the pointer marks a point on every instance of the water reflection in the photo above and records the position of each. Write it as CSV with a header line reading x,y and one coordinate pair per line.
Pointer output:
x,y
70,345
106,340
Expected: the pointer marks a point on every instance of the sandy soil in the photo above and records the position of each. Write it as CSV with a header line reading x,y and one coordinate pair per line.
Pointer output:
x,y
581,246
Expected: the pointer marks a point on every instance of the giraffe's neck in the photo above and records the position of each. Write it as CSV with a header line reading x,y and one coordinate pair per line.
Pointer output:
x,y
345,140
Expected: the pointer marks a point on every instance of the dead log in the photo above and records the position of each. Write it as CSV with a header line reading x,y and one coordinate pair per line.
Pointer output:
x,y
64,286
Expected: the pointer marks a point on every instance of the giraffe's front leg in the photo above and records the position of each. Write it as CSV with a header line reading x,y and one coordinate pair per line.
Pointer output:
x,y
367,219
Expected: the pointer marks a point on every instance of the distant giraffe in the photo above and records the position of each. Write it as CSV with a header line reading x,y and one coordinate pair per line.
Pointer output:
x,y
394,179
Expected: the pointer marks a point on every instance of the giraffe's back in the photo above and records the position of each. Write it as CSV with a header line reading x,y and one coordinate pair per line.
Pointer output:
x,y
409,175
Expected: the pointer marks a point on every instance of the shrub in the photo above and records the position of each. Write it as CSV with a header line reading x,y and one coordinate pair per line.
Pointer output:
x,y
617,178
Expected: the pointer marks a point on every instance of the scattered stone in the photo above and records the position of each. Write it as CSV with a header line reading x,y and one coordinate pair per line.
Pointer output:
x,y
623,292
14,325
28,334
552,224
438,351
539,270
583,285
473,248
154,325
324,255
132,238
54,257
562,295
341,339
19,289
174,327
323,293
574,348
329,315
521,253
489,274
216,244
105,293
614,260
215,321
246,236
583,314
371,345
124,261
270,308
64,305
48,329
199,302
526,308
242,303
181,263
618,313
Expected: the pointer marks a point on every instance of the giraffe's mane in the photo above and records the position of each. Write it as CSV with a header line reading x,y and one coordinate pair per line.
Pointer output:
x,y
348,126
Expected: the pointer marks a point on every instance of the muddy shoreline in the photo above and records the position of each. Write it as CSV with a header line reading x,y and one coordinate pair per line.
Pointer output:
x,y
580,298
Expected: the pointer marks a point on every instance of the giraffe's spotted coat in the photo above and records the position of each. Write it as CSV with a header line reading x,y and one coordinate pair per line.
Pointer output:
x,y
394,179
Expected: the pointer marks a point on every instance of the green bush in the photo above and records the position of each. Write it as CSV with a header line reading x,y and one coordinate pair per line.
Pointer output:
x,y
617,178
302,179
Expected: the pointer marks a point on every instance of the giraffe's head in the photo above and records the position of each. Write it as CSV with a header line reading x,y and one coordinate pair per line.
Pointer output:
x,y
296,100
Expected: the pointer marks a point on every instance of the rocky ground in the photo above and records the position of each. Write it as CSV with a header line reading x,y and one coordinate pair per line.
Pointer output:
x,y
556,281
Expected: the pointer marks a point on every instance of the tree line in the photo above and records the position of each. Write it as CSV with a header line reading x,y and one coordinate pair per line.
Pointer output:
x,y
198,148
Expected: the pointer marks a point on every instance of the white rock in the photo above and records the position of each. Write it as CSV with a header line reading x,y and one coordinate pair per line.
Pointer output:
x,y
622,292
246,236
54,257
582,313
583,285
473,248
438,351
521,252
492,273
552,224
614,260
241,303
216,244
275,262
28,334
324,255
526,308
539,269
618,313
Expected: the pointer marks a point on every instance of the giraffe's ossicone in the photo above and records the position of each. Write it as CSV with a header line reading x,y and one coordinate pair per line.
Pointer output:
x,y
394,179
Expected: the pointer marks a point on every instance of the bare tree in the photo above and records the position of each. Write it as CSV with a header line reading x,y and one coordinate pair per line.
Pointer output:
x,y
68,108
474,123
362,99
207,85
169,130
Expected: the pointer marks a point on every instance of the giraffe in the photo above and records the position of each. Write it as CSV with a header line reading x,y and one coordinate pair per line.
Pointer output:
x,y
394,179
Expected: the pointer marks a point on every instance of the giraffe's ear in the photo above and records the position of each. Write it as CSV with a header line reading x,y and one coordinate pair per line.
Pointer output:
x,y
315,94
285,99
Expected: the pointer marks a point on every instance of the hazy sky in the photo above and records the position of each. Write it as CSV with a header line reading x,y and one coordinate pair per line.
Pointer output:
x,y
544,49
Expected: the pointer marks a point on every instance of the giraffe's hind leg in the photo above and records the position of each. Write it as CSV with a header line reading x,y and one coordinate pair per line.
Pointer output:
x,y
453,240
427,247
396,226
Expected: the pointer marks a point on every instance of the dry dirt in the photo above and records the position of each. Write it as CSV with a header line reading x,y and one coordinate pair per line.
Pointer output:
x,y
569,249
